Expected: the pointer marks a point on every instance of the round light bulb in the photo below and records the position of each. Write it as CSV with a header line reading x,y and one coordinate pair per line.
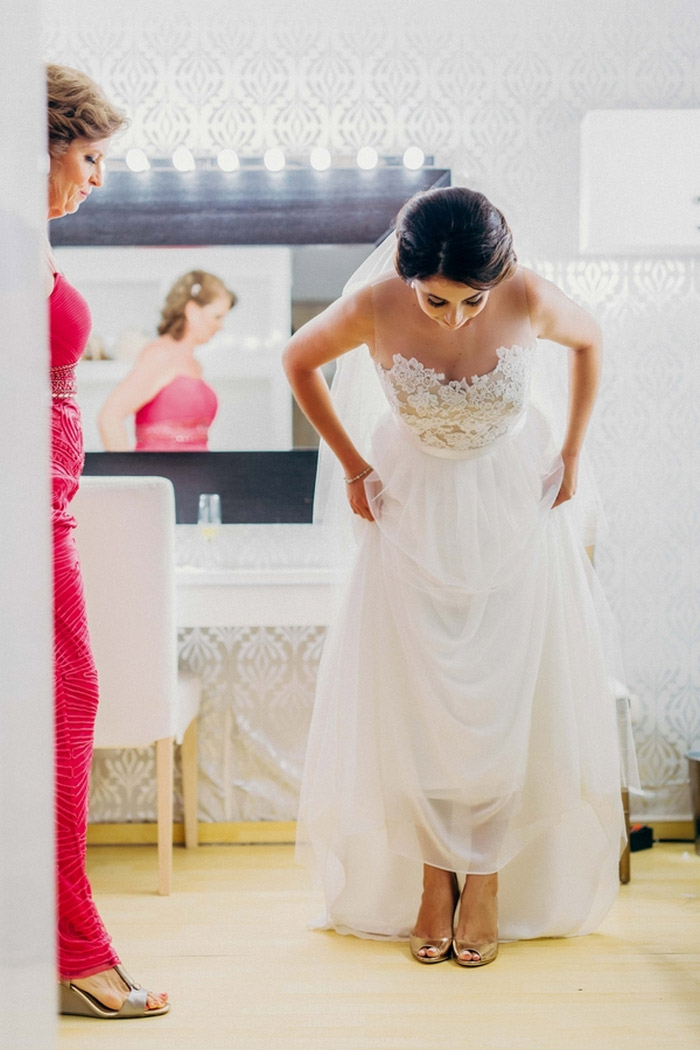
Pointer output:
x,y
413,158
183,159
320,158
136,160
274,159
228,160
367,158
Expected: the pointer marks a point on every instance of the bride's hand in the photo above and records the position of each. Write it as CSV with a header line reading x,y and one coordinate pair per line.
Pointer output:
x,y
357,497
567,489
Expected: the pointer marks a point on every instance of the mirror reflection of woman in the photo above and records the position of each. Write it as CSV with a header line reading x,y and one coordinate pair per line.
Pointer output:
x,y
462,778
93,983
172,405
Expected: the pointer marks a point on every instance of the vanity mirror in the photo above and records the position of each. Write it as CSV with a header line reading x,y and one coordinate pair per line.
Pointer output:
x,y
286,242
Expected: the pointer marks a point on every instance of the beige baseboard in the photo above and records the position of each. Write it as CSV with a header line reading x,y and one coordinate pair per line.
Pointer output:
x,y
280,831
221,833
672,830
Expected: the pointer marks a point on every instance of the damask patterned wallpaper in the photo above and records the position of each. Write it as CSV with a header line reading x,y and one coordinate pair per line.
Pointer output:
x,y
496,91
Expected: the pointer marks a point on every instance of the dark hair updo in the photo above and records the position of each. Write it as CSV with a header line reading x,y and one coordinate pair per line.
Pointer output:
x,y
455,233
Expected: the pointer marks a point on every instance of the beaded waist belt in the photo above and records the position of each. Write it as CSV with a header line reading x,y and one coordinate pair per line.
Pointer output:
x,y
63,381
181,433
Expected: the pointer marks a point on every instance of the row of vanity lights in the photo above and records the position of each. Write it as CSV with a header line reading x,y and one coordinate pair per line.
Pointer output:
x,y
274,159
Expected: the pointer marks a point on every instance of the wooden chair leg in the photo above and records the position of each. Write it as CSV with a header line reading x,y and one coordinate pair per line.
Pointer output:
x,y
164,777
188,756
625,872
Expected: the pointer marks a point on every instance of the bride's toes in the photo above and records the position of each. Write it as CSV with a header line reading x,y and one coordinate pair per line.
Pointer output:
x,y
430,950
476,939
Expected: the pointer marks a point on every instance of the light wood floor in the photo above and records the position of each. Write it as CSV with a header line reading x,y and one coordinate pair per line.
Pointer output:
x,y
244,973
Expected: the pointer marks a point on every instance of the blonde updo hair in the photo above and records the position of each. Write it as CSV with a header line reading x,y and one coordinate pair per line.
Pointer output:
x,y
78,109
198,286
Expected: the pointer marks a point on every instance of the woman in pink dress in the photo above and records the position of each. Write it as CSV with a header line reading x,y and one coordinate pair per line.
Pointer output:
x,y
92,982
172,404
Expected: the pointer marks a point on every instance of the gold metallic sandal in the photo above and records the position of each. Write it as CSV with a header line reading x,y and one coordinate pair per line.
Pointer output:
x,y
76,1001
486,952
442,945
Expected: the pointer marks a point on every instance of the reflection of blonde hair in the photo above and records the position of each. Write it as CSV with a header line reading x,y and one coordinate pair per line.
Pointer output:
x,y
197,285
77,109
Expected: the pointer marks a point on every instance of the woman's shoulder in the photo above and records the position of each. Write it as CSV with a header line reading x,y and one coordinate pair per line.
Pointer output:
x,y
390,292
380,296
543,296
534,284
389,284
366,294
50,269
522,291
155,353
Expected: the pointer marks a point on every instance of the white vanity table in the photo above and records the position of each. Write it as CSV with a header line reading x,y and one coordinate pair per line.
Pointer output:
x,y
255,597
254,636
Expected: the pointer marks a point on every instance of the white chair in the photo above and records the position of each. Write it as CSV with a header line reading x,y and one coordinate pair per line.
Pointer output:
x,y
126,540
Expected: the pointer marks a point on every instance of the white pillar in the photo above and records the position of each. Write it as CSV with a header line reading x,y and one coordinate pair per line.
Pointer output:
x,y
27,949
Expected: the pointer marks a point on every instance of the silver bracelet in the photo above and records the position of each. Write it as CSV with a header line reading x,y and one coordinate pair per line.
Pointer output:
x,y
360,476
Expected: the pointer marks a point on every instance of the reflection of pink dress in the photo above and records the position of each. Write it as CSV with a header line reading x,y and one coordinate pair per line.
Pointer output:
x,y
83,943
178,418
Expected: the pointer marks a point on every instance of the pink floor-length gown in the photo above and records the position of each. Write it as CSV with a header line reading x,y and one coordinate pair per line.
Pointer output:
x,y
84,945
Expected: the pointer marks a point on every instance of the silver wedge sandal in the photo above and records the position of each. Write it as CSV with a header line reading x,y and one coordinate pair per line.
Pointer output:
x,y
73,1000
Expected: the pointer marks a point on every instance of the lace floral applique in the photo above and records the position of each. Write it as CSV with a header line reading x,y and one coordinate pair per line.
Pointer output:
x,y
456,413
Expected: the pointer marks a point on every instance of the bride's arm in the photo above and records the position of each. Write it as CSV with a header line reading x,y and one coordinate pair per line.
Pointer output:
x,y
556,317
346,324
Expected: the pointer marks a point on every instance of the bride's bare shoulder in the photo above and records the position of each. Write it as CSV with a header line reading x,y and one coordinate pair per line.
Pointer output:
x,y
390,284
536,287
353,316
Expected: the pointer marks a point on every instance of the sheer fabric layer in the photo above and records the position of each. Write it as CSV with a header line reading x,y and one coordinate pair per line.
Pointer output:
x,y
465,716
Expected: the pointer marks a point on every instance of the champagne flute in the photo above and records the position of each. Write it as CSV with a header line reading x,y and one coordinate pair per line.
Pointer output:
x,y
209,514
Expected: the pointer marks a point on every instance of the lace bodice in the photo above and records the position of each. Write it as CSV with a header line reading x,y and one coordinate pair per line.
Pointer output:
x,y
458,414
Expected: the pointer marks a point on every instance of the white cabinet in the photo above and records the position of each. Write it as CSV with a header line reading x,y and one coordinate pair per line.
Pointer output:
x,y
640,180
256,597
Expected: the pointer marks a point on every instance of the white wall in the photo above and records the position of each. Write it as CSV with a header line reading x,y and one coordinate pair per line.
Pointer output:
x,y
497,91
27,952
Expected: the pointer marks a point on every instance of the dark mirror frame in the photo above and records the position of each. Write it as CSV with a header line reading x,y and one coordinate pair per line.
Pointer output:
x,y
255,487
252,206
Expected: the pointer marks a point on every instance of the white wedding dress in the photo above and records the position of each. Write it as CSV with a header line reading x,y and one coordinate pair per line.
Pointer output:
x,y
465,715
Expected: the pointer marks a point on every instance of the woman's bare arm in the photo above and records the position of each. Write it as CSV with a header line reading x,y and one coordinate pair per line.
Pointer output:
x,y
346,324
559,319
148,376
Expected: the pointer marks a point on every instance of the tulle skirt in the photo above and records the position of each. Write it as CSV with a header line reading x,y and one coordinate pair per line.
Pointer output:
x,y
465,714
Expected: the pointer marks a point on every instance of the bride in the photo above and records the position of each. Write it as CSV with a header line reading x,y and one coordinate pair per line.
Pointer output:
x,y
464,736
